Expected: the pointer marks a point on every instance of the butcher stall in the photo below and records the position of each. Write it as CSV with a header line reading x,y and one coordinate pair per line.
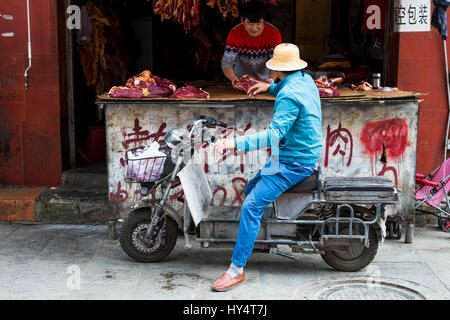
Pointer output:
x,y
365,133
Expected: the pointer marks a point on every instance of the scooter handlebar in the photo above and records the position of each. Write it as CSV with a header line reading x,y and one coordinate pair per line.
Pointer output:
x,y
207,137
211,139
211,122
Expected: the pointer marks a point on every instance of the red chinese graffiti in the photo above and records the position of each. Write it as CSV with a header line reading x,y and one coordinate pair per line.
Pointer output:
x,y
201,147
178,195
224,196
138,136
386,139
120,195
393,170
334,139
238,192
390,133
158,135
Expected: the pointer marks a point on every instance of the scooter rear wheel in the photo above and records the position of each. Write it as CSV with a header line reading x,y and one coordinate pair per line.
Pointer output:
x,y
356,257
132,236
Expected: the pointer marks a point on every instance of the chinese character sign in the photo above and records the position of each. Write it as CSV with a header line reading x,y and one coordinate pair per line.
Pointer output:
x,y
412,15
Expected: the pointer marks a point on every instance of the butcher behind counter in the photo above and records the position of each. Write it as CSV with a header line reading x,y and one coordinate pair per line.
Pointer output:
x,y
250,45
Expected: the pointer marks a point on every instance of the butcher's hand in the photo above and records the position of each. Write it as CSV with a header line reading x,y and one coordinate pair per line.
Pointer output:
x,y
224,144
258,88
233,82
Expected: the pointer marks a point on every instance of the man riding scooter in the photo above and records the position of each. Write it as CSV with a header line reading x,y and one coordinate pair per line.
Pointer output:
x,y
295,138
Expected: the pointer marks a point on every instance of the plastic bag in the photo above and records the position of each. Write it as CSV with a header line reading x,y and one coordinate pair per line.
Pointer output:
x,y
147,164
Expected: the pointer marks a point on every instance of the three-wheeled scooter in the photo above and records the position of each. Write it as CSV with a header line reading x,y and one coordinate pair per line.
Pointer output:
x,y
340,218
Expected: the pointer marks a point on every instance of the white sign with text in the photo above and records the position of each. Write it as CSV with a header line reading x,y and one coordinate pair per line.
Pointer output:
x,y
412,15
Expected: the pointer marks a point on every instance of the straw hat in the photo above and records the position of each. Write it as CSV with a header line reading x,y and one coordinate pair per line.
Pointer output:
x,y
286,57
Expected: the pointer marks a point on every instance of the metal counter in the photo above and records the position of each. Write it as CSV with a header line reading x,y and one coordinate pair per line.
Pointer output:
x,y
370,137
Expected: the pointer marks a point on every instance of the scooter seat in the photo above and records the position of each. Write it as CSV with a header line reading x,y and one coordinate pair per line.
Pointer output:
x,y
308,185
361,184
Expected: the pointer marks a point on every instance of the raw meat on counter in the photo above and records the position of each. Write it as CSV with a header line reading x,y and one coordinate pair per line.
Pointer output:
x,y
142,80
362,86
387,89
246,82
125,92
144,85
152,85
162,88
327,88
190,92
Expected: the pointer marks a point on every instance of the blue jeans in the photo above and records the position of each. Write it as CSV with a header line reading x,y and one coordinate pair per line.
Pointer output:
x,y
268,184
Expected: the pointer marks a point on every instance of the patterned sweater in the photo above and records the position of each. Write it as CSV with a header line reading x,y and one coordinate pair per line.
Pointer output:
x,y
248,55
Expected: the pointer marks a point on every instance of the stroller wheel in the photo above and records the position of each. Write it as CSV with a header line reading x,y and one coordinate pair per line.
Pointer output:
x,y
391,231
398,230
446,225
439,220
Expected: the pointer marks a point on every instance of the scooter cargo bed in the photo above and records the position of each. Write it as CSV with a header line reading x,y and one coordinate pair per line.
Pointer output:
x,y
360,188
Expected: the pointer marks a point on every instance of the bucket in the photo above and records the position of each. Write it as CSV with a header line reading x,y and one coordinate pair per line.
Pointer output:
x,y
94,145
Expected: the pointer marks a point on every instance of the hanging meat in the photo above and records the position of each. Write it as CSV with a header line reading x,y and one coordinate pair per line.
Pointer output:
x,y
211,3
187,18
235,8
186,12
100,47
178,11
230,8
158,7
246,82
196,13
168,9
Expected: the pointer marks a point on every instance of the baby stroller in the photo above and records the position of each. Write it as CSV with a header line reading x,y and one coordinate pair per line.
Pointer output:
x,y
432,190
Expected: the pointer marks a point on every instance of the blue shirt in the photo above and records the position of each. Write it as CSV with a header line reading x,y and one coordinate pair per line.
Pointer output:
x,y
295,132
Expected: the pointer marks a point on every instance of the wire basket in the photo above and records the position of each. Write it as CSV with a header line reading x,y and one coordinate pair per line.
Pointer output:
x,y
149,169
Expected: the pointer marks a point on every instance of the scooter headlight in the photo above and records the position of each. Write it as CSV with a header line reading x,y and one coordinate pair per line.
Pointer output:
x,y
173,138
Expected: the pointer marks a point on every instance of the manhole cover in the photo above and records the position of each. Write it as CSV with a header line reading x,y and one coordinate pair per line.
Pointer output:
x,y
360,290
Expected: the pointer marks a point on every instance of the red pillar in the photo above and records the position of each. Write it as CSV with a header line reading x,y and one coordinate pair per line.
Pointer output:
x,y
421,68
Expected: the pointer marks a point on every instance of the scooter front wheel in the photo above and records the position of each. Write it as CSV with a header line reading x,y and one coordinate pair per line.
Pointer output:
x,y
133,241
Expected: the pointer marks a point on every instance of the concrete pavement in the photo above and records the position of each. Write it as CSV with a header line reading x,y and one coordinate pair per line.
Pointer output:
x,y
79,262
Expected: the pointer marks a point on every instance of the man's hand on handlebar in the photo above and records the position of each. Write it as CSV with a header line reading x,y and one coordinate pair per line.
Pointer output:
x,y
224,144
